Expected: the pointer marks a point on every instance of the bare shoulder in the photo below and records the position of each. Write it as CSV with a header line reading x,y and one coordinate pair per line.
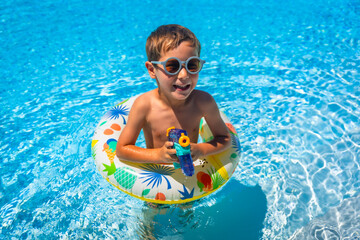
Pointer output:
x,y
201,94
138,113
204,100
142,103
211,113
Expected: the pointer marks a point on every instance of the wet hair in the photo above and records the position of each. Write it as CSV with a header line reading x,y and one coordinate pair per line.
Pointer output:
x,y
168,37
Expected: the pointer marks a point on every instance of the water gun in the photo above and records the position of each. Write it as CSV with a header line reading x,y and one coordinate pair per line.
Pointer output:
x,y
182,145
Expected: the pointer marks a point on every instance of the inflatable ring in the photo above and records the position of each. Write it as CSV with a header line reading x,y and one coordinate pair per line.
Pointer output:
x,y
160,183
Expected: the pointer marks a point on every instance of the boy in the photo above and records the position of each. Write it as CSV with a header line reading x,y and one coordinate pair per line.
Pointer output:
x,y
173,55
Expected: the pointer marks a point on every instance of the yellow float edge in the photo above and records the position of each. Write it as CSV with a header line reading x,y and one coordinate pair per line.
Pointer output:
x,y
167,201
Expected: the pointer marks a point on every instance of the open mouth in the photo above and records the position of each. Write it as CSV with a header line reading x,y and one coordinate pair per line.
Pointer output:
x,y
182,87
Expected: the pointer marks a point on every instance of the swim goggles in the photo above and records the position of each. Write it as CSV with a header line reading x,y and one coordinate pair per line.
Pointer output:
x,y
173,65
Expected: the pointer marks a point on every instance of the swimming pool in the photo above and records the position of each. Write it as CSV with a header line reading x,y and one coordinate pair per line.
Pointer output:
x,y
285,73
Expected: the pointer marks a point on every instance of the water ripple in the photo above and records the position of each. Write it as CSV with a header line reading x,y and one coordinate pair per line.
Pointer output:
x,y
291,90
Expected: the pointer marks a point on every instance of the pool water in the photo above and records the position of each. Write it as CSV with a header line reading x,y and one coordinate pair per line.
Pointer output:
x,y
285,72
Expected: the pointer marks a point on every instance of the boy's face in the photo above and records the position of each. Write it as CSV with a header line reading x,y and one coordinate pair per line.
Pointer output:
x,y
178,86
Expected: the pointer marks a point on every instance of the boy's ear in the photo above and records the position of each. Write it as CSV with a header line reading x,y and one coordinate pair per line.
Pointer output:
x,y
151,69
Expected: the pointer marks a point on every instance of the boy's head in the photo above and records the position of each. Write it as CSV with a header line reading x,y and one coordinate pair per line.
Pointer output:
x,y
168,37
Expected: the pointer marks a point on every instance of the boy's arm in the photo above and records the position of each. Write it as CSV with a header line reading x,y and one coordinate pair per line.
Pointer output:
x,y
126,149
221,140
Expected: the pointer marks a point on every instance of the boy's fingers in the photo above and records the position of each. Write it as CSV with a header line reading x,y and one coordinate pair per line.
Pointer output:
x,y
169,144
174,158
172,151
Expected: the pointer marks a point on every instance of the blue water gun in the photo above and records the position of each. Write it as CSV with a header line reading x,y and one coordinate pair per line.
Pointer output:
x,y
182,145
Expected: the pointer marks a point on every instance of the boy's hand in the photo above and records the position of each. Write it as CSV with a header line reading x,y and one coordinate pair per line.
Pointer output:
x,y
196,151
167,154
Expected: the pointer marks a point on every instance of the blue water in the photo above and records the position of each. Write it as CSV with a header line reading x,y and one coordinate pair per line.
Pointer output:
x,y
285,72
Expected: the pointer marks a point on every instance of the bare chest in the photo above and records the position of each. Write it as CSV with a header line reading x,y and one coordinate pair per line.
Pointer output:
x,y
160,119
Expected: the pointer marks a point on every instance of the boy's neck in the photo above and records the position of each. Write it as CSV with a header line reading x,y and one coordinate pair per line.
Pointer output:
x,y
173,103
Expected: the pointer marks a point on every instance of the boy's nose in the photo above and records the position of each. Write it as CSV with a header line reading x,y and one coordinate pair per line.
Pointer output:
x,y
183,73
